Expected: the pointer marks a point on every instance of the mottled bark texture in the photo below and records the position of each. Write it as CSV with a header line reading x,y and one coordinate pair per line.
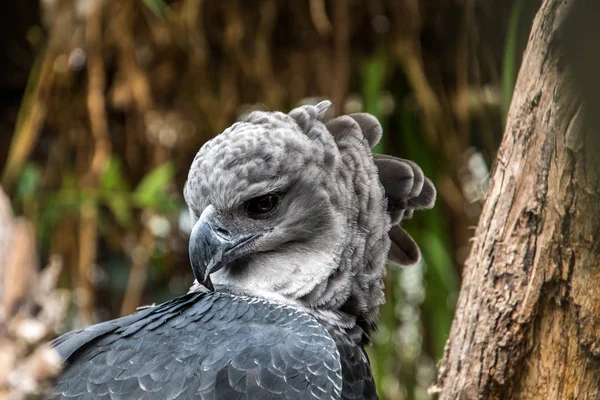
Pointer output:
x,y
527,324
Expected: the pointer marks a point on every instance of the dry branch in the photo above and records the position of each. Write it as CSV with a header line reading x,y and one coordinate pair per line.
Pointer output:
x,y
31,310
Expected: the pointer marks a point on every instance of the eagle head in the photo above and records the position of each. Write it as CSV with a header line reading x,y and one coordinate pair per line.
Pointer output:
x,y
296,208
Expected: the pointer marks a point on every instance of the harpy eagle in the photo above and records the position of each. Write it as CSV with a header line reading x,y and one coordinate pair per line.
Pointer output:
x,y
294,220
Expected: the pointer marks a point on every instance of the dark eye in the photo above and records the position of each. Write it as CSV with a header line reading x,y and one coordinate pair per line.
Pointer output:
x,y
262,204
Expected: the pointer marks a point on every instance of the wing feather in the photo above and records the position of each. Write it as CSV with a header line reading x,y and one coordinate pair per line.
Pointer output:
x,y
201,345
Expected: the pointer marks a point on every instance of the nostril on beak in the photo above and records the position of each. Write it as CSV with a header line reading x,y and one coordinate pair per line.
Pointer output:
x,y
221,231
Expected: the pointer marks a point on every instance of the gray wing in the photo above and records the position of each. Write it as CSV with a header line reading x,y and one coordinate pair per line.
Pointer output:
x,y
358,382
208,346
358,379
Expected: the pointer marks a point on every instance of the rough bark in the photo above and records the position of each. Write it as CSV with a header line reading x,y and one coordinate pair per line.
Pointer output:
x,y
527,324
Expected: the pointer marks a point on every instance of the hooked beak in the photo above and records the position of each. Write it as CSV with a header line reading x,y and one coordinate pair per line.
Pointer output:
x,y
213,245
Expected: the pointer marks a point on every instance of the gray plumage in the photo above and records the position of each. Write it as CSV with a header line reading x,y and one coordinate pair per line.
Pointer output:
x,y
294,219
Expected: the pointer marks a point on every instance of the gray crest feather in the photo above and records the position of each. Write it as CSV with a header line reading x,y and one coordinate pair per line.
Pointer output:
x,y
397,178
370,127
426,199
407,189
343,128
403,249
362,125
323,106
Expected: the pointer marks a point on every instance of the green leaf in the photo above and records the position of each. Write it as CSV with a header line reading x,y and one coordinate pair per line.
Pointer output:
x,y
113,177
431,231
442,287
158,7
120,205
150,191
373,83
69,179
167,204
511,49
29,182
52,210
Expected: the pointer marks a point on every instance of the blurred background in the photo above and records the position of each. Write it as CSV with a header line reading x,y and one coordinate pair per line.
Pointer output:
x,y
103,105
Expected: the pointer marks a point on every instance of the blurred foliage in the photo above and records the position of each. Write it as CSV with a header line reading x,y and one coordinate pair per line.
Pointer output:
x,y
107,103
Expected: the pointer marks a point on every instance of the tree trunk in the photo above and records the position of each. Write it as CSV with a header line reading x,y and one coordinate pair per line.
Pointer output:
x,y
527,323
